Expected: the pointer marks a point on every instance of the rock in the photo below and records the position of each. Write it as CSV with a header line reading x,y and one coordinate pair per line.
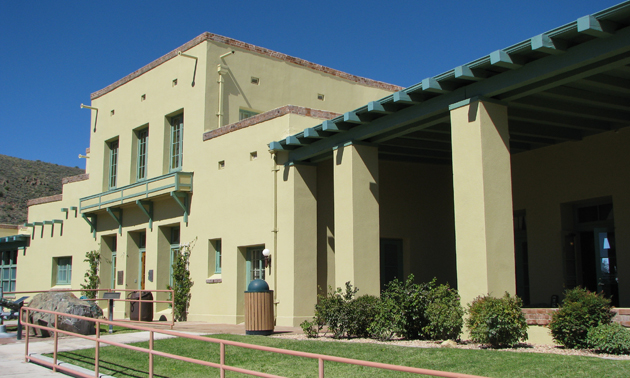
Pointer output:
x,y
67,303
448,344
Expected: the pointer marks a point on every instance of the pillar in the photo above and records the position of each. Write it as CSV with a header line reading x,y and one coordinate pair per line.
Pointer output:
x,y
296,257
482,186
356,209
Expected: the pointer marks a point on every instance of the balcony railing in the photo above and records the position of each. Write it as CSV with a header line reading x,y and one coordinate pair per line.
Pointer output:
x,y
178,182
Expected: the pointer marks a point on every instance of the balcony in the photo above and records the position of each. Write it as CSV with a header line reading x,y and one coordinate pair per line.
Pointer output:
x,y
177,185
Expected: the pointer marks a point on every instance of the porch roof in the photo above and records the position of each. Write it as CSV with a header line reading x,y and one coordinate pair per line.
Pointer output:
x,y
9,243
562,85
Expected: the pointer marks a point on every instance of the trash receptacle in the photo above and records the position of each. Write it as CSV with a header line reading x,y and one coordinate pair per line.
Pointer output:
x,y
141,310
258,309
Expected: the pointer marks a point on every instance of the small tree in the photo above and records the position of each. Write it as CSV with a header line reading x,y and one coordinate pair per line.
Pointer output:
x,y
182,281
92,281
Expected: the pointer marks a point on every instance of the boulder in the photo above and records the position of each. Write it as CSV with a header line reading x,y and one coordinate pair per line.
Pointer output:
x,y
67,303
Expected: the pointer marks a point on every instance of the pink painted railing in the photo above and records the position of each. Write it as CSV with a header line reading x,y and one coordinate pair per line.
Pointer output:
x,y
171,302
26,312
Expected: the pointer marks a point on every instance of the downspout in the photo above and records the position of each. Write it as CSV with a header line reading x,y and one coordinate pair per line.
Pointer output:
x,y
221,70
275,169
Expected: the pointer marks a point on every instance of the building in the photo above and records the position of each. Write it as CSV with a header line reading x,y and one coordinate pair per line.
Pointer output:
x,y
179,154
508,173
12,241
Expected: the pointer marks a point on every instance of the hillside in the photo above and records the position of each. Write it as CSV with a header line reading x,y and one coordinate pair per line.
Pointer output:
x,y
21,180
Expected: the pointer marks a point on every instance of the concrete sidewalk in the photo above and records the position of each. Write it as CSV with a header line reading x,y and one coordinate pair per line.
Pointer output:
x,y
12,354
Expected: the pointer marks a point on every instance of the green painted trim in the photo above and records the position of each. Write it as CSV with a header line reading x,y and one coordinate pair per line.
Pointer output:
x,y
47,222
404,98
468,101
120,200
377,107
544,43
501,58
467,73
352,117
592,26
148,213
178,196
117,214
431,84
29,225
57,221
330,126
314,133
92,222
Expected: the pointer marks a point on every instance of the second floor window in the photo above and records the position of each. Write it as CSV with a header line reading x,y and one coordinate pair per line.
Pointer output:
x,y
143,140
177,143
113,164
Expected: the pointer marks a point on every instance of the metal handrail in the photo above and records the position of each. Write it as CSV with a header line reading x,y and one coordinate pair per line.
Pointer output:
x,y
171,302
222,343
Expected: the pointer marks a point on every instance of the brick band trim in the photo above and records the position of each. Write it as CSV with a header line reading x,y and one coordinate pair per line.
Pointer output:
x,y
266,116
10,226
249,47
542,316
71,179
41,200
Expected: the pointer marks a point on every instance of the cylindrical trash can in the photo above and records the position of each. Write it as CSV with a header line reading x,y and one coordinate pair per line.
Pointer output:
x,y
258,309
142,310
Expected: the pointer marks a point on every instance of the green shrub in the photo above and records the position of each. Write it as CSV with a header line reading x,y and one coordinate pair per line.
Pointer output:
x,y
580,311
310,329
497,321
444,314
418,311
361,312
609,338
332,310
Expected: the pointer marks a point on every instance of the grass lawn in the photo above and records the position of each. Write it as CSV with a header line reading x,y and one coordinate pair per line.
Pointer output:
x,y
491,363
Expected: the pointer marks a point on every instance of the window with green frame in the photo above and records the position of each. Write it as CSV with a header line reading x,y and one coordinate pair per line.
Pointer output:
x,y
64,270
174,248
113,164
243,114
143,140
177,143
216,246
8,270
254,264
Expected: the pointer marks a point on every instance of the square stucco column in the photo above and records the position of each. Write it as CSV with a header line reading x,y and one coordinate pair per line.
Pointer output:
x,y
296,257
357,234
482,186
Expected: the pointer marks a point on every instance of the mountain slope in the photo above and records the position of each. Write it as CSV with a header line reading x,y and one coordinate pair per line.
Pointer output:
x,y
21,180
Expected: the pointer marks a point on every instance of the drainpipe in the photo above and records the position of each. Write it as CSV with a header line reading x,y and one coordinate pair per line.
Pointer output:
x,y
275,169
221,70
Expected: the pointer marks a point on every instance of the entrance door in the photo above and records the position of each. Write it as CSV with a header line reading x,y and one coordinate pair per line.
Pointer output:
x,y
391,261
142,263
255,266
592,253
606,263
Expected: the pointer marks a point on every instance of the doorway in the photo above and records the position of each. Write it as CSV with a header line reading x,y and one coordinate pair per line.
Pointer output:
x,y
391,261
592,257
254,265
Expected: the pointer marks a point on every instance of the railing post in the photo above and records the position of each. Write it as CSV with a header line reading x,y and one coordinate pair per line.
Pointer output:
x,y
55,345
172,308
222,359
27,335
150,354
321,368
97,350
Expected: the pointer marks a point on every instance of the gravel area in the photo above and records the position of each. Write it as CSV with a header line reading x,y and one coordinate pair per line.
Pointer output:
x,y
521,348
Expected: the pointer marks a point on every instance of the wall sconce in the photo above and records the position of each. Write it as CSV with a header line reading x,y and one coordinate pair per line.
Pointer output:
x,y
266,257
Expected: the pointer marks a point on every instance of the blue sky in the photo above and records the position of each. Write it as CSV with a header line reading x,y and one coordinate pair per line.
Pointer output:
x,y
55,53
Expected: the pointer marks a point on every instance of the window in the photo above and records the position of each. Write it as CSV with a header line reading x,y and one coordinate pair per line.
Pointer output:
x,y
242,114
64,270
215,246
174,249
177,143
113,163
113,275
143,140
255,265
8,270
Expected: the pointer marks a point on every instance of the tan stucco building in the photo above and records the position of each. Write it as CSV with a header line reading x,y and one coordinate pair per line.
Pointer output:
x,y
508,173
